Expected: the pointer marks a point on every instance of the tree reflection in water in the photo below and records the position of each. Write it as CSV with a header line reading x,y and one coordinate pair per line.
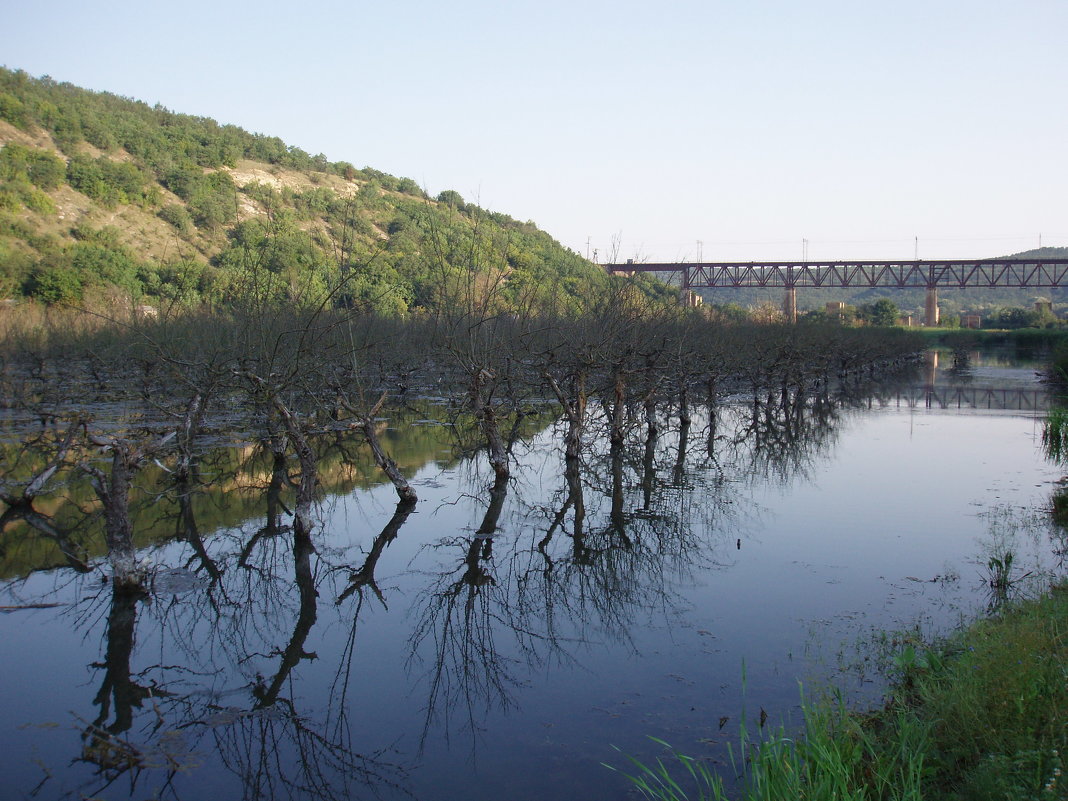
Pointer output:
x,y
156,726
531,586
103,745
458,615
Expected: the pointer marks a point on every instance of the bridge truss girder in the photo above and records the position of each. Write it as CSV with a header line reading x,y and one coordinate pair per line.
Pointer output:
x,y
959,274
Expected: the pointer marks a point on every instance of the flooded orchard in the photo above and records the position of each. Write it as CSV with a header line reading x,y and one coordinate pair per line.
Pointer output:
x,y
675,577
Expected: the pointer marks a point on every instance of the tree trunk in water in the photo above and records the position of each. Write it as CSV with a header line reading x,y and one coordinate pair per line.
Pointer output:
x,y
580,551
279,479
710,399
498,453
113,490
650,416
684,406
649,469
576,419
404,490
680,459
481,546
309,470
617,515
574,406
194,415
712,427
619,412
482,407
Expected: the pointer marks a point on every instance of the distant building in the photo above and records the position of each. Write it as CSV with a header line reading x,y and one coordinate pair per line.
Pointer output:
x,y
1043,306
970,321
690,299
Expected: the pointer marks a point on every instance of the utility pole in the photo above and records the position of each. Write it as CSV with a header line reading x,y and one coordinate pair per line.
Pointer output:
x,y
588,248
700,246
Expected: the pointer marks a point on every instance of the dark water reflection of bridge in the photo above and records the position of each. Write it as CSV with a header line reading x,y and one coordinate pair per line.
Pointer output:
x,y
934,396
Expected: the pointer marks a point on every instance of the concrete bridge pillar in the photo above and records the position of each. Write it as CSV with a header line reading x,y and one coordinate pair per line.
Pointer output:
x,y
789,304
930,308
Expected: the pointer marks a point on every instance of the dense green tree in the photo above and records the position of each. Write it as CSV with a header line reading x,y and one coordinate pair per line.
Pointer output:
x,y
13,110
15,269
100,265
1014,318
178,216
881,312
54,284
213,200
105,180
39,167
452,199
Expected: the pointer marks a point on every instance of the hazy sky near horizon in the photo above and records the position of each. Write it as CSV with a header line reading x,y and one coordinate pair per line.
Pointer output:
x,y
871,130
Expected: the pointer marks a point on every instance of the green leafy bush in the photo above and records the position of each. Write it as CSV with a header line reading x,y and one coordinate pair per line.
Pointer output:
x,y
178,216
105,180
54,284
12,110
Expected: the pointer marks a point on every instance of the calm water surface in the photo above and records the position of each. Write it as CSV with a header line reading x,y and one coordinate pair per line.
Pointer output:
x,y
498,645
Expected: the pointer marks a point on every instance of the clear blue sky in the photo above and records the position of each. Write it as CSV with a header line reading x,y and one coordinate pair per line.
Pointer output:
x,y
749,125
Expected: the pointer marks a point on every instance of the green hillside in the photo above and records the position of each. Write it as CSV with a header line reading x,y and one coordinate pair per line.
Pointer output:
x,y
107,201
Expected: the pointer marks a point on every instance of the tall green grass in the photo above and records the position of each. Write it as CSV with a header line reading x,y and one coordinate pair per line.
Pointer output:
x,y
1055,434
982,716
836,757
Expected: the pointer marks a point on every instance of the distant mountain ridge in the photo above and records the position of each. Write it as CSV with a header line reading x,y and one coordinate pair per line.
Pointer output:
x,y
103,197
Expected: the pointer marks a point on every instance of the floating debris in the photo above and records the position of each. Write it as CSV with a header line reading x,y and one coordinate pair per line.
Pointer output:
x,y
20,607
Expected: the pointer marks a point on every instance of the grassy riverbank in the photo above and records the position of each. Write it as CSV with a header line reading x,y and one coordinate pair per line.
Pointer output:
x,y
968,337
982,715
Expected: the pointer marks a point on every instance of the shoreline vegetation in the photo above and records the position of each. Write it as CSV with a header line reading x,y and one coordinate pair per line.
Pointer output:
x,y
977,716
1020,337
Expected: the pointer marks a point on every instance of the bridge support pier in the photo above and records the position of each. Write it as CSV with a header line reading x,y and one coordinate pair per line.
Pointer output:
x,y
930,307
789,304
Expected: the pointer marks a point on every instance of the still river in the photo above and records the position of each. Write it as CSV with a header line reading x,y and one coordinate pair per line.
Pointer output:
x,y
500,646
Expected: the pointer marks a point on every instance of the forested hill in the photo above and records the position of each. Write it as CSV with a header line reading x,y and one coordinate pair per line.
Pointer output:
x,y
104,199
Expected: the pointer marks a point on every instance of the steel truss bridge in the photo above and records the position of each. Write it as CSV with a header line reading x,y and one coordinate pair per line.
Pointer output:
x,y
918,274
